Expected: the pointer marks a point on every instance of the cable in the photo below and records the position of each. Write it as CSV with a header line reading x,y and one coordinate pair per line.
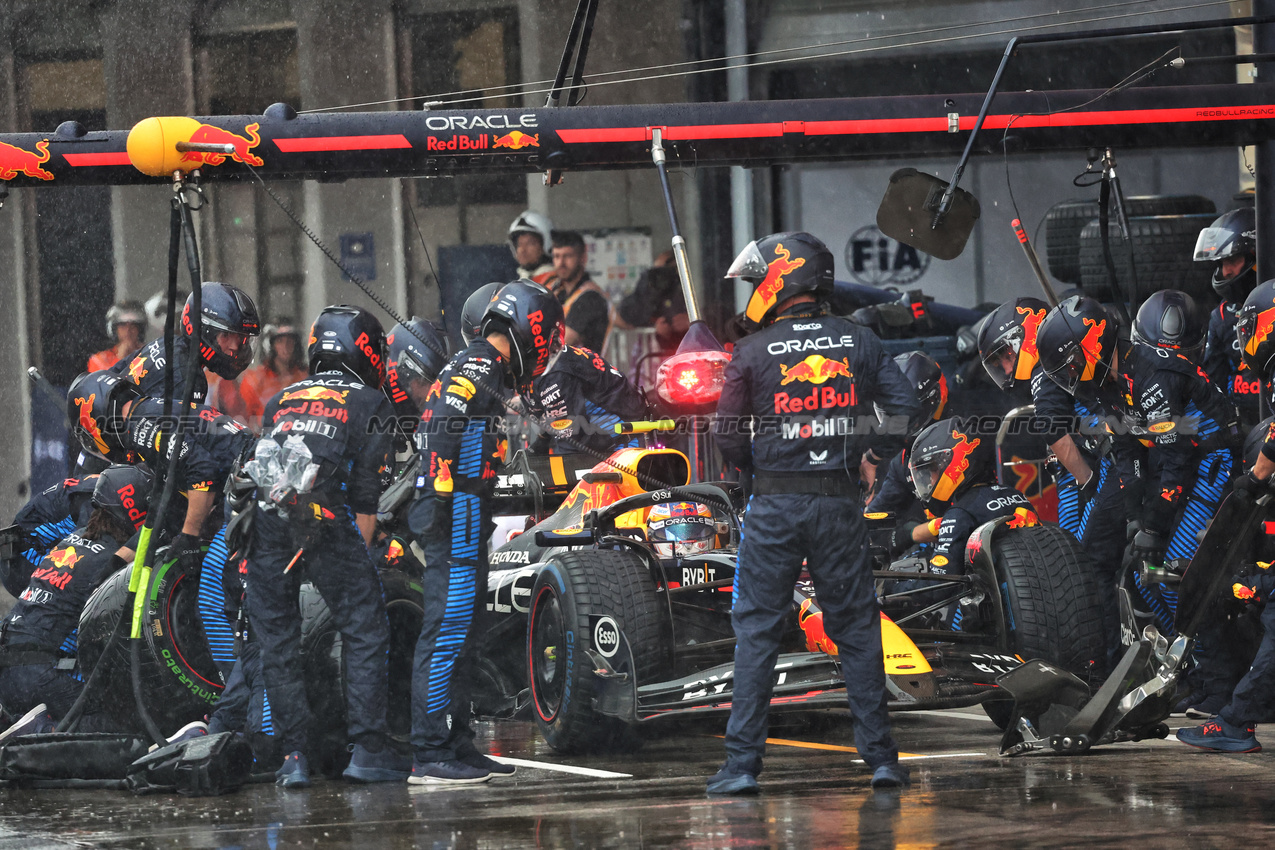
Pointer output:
x,y
508,90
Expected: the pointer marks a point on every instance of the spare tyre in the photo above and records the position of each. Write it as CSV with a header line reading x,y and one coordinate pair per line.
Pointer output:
x,y
1052,597
1162,250
574,596
180,682
1065,221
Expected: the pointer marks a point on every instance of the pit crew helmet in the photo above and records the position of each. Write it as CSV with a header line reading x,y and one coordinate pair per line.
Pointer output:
x,y
95,408
471,315
1170,319
947,460
125,313
531,317
1007,340
780,266
1255,329
122,490
222,308
1233,234
416,350
348,339
531,222
1077,343
682,529
925,376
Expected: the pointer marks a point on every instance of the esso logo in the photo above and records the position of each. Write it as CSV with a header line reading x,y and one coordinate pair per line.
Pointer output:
x,y
606,637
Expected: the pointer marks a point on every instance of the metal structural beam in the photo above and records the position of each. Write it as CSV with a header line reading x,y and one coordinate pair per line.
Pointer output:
x,y
339,146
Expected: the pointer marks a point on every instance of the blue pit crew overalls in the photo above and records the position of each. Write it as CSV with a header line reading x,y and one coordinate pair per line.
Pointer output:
x,y
796,409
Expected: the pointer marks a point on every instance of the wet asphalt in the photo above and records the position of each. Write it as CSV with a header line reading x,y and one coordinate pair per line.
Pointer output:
x,y
1151,794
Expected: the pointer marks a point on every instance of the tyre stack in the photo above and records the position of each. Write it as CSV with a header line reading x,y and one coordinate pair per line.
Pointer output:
x,y
1163,230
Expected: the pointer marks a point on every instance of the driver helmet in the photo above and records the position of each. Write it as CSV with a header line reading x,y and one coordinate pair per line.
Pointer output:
x,y
1007,340
1170,320
223,309
947,459
682,529
531,317
1077,343
471,315
780,266
1233,234
1255,329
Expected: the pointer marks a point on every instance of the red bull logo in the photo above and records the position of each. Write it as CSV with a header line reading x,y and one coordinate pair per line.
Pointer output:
x,y
811,621
315,394
1244,593
137,369
516,140
816,369
1031,324
15,161
89,424
64,559
394,552
443,478
1262,330
435,391
1023,518
956,468
1091,345
768,290
208,134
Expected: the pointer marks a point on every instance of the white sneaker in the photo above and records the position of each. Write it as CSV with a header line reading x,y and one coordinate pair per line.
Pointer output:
x,y
194,729
37,721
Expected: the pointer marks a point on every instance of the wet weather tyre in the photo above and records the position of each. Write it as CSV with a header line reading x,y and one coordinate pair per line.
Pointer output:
x,y
1065,221
1052,597
180,681
570,593
1162,250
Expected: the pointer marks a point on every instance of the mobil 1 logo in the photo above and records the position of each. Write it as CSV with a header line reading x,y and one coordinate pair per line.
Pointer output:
x,y
606,635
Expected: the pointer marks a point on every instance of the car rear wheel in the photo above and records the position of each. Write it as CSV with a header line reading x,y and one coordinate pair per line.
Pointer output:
x,y
576,599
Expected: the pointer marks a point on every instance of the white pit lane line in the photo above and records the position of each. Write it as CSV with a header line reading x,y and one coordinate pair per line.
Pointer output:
x,y
563,768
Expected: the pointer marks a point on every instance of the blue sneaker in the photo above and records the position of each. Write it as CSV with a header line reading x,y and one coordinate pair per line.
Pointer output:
x,y
37,721
295,772
892,775
385,766
451,772
484,762
726,781
1221,737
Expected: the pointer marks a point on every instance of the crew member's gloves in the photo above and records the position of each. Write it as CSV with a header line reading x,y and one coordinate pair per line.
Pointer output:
x,y
1088,490
1149,546
1132,528
189,552
901,538
1247,486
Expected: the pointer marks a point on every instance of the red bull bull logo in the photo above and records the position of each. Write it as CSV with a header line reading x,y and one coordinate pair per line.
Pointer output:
x,y
956,468
1023,518
15,161
1244,593
1261,331
768,290
1031,324
811,621
516,140
208,134
435,391
64,559
89,424
443,478
816,369
1091,345
137,369
316,394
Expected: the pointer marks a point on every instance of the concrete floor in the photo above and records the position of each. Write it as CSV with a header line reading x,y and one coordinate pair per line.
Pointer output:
x,y
1154,794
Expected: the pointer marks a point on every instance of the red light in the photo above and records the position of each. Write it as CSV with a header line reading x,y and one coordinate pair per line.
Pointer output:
x,y
693,378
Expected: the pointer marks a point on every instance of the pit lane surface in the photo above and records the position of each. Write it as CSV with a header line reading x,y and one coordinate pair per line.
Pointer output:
x,y
1152,794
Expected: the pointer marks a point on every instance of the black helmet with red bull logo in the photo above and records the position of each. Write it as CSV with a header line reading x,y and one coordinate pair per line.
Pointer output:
x,y
1171,320
926,377
223,309
780,266
417,352
1233,234
471,315
1007,340
351,340
531,317
95,408
1077,343
1255,329
947,460
122,491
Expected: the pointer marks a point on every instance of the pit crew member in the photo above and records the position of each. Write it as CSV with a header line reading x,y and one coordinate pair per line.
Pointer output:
x,y
1230,244
581,398
44,520
798,410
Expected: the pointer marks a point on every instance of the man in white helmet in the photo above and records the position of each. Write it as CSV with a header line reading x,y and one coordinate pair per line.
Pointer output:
x,y
529,240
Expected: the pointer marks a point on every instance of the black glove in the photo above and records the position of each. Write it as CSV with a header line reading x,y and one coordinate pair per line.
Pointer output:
x,y
189,551
1132,528
1149,546
1247,487
1088,490
901,538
